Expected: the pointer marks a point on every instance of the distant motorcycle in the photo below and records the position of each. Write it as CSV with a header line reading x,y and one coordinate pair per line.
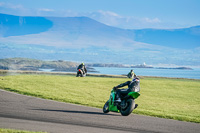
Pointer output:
x,y
80,73
127,104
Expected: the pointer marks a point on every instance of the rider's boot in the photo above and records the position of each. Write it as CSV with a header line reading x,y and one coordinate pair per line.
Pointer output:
x,y
117,98
136,105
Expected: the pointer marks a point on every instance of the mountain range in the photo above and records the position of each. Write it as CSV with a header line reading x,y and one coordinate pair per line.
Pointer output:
x,y
84,39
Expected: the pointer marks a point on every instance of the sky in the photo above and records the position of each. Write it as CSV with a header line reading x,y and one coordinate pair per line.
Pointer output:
x,y
127,14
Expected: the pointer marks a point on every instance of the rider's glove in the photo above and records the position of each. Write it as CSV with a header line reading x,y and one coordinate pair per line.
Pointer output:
x,y
115,88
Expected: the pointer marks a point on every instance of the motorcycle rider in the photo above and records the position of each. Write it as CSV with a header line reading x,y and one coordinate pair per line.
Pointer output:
x,y
130,74
132,86
82,67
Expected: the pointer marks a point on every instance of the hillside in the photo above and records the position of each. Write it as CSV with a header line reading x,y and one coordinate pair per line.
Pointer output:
x,y
178,38
17,26
84,39
36,65
76,30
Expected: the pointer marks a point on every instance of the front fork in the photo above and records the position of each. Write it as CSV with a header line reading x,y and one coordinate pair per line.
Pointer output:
x,y
112,107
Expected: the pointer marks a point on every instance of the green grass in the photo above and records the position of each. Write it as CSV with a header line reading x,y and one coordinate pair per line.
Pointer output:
x,y
2,130
177,99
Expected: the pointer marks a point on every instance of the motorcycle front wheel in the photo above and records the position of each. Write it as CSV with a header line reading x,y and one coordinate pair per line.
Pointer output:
x,y
130,104
106,107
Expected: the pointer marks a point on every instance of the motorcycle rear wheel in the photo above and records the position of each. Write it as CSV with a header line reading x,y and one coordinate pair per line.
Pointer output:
x,y
106,107
129,108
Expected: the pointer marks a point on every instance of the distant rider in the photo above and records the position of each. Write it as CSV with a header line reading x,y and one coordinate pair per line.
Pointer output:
x,y
130,74
83,68
132,86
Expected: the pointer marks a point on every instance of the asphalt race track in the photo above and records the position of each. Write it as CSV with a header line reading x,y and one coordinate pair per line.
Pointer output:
x,y
35,114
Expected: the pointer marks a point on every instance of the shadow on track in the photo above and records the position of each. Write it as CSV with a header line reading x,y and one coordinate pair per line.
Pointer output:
x,y
78,112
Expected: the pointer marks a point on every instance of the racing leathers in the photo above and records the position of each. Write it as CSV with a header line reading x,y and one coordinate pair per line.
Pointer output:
x,y
83,68
132,86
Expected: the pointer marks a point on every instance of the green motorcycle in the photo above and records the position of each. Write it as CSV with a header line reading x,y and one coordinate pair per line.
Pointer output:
x,y
127,104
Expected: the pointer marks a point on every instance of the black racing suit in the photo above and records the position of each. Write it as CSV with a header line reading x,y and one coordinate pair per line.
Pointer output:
x,y
133,85
130,74
83,68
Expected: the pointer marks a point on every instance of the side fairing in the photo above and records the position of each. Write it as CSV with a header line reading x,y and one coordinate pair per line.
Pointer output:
x,y
134,94
111,102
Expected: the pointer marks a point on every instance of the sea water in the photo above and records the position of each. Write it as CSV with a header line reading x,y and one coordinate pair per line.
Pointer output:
x,y
175,73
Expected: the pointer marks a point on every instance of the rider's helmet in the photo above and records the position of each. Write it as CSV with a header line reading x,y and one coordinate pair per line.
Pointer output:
x,y
82,63
132,71
135,78
136,81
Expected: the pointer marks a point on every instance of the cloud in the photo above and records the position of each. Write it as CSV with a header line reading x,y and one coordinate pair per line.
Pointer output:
x,y
1,4
109,14
127,22
13,9
11,6
154,20
130,22
107,17
46,10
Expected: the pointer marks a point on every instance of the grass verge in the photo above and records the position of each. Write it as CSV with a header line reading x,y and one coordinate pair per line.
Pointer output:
x,y
166,98
2,130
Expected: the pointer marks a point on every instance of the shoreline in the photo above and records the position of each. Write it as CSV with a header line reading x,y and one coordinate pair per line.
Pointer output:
x,y
15,72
